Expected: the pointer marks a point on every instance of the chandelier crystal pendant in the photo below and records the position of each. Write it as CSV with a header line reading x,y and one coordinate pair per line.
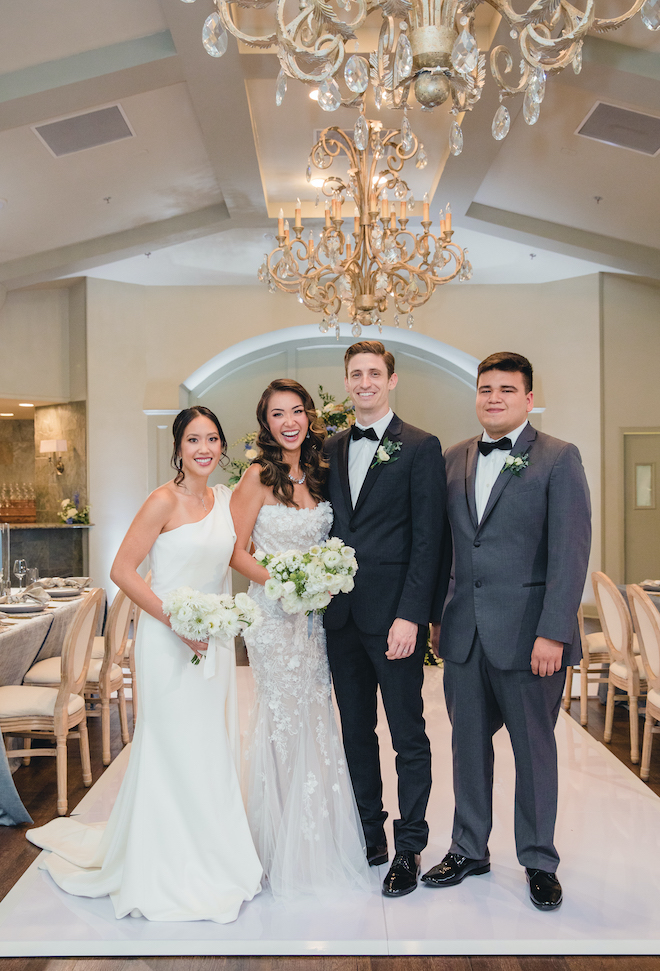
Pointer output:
x,y
359,272
427,47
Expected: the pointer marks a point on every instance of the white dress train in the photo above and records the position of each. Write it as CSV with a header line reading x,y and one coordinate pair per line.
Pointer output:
x,y
301,806
177,845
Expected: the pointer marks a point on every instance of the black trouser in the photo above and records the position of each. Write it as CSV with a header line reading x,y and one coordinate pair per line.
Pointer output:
x,y
480,699
359,666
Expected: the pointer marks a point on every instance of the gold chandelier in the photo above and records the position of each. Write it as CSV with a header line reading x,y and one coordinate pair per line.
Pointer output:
x,y
428,46
383,259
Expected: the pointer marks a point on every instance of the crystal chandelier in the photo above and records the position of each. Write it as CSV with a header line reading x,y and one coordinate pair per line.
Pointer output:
x,y
383,259
427,46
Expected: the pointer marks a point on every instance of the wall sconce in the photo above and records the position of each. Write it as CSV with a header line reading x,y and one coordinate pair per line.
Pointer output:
x,y
54,445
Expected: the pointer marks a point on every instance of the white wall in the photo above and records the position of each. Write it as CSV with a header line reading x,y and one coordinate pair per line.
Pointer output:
x,y
34,345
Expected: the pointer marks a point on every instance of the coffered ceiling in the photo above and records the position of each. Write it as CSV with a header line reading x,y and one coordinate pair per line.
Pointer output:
x,y
191,196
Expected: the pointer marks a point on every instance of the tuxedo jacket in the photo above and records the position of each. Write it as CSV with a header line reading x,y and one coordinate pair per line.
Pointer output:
x,y
519,573
397,529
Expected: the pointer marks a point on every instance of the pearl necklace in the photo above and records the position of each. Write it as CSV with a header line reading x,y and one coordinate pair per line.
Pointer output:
x,y
298,481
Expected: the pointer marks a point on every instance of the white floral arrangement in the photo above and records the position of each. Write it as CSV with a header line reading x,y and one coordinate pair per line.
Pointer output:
x,y
306,582
201,616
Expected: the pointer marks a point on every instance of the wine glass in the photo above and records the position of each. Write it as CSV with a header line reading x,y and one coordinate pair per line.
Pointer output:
x,y
20,569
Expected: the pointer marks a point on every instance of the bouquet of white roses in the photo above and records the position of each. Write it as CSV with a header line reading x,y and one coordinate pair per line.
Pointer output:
x,y
209,617
305,582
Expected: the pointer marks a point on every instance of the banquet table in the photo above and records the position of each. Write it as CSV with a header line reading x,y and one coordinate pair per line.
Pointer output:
x,y
21,644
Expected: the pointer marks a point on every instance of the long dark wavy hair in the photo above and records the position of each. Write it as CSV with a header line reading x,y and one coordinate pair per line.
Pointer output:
x,y
181,422
274,470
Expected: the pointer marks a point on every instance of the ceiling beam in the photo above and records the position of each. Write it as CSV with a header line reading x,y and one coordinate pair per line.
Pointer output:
x,y
580,243
81,95
78,257
219,97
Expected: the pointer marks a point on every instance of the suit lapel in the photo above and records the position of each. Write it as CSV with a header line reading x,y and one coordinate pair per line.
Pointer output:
x,y
342,464
524,443
471,457
392,432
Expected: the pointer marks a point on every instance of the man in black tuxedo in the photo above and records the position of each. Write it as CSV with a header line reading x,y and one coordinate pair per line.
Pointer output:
x,y
387,488
518,504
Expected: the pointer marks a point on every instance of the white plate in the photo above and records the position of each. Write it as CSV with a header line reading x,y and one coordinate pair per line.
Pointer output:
x,y
56,592
21,608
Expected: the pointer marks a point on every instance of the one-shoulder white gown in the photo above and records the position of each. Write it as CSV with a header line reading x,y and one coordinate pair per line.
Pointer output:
x,y
177,845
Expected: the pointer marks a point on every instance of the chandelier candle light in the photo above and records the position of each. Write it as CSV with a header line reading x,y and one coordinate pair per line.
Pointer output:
x,y
381,258
429,48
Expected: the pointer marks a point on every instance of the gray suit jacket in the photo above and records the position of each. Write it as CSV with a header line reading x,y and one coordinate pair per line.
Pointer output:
x,y
519,573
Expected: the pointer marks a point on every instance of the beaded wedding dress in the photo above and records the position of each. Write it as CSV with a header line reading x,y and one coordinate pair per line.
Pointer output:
x,y
177,845
301,806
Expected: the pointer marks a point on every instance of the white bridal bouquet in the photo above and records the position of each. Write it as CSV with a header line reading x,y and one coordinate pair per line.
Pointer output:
x,y
305,582
216,618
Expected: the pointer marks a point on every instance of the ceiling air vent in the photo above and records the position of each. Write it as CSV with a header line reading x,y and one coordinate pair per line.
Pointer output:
x,y
622,127
80,132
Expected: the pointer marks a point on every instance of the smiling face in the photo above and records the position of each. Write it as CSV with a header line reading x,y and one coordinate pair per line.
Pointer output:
x,y
369,387
502,402
201,447
287,420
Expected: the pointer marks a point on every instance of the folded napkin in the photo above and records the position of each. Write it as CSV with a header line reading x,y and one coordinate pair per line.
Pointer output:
x,y
77,582
35,592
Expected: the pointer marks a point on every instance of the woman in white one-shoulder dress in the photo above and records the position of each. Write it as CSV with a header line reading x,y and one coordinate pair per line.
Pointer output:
x,y
177,845
301,806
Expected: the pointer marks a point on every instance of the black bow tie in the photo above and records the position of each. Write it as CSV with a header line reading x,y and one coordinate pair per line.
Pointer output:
x,y
358,433
487,447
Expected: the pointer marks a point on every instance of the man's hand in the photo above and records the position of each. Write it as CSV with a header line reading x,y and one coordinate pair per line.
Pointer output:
x,y
435,639
401,639
546,656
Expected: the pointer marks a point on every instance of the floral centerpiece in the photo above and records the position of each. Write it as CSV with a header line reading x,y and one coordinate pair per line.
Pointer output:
x,y
336,415
209,617
238,466
70,511
306,582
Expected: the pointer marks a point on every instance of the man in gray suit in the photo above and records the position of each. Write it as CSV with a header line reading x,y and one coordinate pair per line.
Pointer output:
x,y
518,504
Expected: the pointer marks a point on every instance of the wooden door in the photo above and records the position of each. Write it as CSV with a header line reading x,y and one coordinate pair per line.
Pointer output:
x,y
642,506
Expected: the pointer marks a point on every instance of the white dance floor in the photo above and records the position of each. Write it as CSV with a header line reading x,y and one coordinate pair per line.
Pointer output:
x,y
608,835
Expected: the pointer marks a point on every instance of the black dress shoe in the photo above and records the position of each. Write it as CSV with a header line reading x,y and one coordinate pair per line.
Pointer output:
x,y
402,875
453,869
544,889
377,855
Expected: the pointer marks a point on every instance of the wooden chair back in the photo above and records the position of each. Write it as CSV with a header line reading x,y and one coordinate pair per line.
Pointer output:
x,y
77,648
116,631
583,637
615,620
647,625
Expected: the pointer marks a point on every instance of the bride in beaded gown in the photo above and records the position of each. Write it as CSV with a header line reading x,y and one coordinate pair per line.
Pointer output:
x,y
301,807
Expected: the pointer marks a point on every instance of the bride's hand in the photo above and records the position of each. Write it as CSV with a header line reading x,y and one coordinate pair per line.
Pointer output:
x,y
198,647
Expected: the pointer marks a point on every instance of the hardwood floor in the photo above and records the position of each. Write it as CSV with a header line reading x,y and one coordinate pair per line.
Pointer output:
x,y
37,787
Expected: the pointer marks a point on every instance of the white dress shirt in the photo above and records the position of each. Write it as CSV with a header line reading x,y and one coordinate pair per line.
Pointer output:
x,y
361,454
489,467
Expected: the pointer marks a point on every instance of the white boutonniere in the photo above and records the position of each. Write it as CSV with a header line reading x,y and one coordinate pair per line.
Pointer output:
x,y
386,452
515,464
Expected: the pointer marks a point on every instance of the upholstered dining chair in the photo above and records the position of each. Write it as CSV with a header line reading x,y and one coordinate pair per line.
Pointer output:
x,y
647,624
626,668
594,655
104,675
35,711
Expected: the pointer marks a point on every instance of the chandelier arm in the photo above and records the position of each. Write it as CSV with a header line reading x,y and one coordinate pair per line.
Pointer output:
x,y
510,89
612,23
223,8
